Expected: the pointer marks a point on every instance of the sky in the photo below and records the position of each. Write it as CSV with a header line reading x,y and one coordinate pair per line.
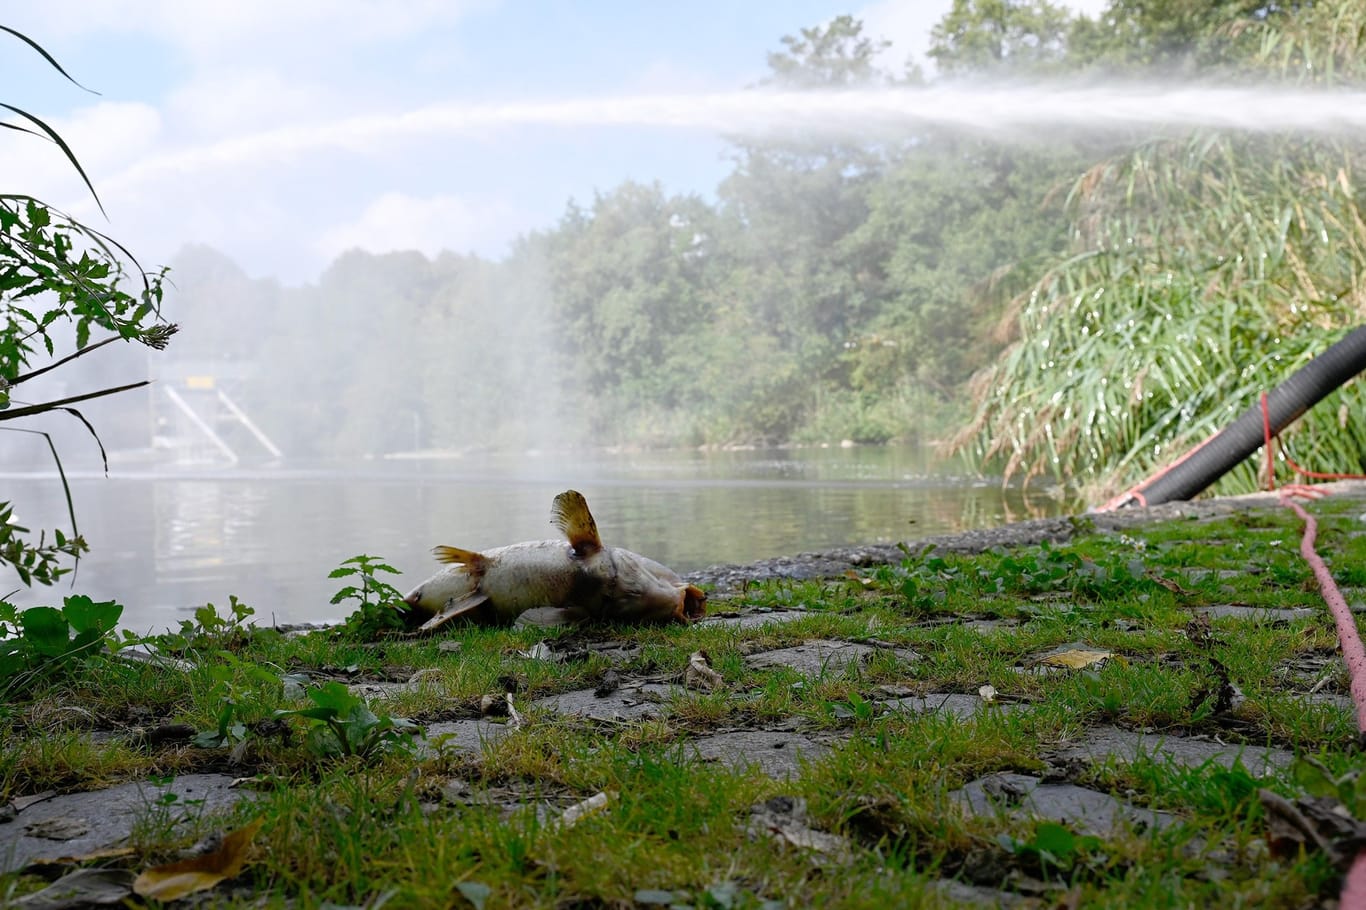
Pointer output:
x,y
284,132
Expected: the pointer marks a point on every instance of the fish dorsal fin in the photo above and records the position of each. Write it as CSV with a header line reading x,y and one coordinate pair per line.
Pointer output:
x,y
570,514
456,556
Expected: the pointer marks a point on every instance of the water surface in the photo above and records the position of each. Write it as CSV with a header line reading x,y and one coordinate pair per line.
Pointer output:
x,y
164,542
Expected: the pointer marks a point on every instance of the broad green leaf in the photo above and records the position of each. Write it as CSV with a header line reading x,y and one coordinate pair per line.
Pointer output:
x,y
86,615
46,630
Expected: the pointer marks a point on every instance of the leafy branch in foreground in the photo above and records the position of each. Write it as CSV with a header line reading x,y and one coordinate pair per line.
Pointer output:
x,y
58,274
380,609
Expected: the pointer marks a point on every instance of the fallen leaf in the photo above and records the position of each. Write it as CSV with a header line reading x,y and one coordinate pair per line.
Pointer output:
x,y
474,892
1075,659
700,675
579,811
20,803
538,651
84,858
610,683
82,888
1311,823
175,880
783,818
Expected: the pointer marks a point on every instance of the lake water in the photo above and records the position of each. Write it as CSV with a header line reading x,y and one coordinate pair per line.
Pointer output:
x,y
165,542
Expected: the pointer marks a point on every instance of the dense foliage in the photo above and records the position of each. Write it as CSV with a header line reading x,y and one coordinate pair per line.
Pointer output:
x,y
1123,294
1203,270
60,299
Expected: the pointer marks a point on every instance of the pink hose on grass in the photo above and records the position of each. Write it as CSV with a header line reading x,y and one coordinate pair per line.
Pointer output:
x,y
1353,895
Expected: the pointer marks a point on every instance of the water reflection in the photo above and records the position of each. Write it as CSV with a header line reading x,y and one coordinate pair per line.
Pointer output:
x,y
163,544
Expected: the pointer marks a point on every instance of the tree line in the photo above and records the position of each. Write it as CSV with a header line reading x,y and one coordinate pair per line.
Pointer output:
x,y
853,290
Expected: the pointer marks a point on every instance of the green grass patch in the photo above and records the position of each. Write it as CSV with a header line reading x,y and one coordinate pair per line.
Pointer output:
x,y
355,809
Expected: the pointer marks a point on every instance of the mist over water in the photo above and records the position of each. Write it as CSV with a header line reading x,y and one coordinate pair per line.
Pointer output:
x,y
163,543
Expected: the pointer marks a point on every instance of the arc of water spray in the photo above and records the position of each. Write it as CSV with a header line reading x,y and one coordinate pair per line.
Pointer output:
x,y
999,109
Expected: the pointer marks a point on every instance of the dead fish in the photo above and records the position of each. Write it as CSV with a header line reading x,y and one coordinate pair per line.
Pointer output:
x,y
552,582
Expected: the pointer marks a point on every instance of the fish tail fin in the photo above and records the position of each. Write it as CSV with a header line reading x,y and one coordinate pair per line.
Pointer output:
x,y
570,514
472,561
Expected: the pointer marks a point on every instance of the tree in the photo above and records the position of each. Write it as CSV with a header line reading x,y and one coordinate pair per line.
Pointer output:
x,y
629,277
988,37
56,272
837,55
1168,36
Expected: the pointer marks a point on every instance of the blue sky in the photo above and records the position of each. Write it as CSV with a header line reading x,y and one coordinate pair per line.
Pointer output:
x,y
285,132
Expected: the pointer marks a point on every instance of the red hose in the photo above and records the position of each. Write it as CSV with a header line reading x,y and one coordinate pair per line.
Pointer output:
x,y
1352,650
1353,895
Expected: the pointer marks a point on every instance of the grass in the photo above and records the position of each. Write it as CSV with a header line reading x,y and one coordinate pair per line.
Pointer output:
x,y
447,826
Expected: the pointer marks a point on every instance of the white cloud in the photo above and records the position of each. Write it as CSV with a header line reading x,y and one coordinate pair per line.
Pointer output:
x,y
104,137
906,24
235,101
397,221
209,32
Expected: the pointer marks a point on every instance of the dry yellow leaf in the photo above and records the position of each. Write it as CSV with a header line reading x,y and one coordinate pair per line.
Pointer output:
x,y
175,880
700,675
1075,659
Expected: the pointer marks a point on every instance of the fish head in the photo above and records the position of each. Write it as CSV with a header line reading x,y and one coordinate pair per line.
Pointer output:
x,y
645,591
693,603
448,588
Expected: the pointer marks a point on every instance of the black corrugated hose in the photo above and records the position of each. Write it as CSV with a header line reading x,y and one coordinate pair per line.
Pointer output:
x,y
1222,452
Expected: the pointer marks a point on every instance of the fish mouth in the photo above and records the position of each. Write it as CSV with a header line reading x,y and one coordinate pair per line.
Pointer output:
x,y
413,598
693,603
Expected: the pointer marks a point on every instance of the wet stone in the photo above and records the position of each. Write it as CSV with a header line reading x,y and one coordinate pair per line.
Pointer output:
x,y
955,703
990,625
754,619
822,655
625,703
775,754
1337,700
1257,614
461,736
75,824
1083,810
1104,743
964,893
1195,576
